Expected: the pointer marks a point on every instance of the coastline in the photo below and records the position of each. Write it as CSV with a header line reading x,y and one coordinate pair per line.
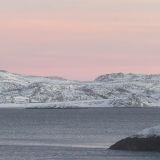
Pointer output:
x,y
66,105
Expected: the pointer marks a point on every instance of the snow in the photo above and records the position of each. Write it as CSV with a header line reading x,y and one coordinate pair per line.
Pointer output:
x,y
111,90
150,132
74,104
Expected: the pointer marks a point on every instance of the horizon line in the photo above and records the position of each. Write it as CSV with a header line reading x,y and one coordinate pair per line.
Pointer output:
x,y
59,76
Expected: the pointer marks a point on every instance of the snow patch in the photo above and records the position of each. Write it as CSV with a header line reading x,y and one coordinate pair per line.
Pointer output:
x,y
150,132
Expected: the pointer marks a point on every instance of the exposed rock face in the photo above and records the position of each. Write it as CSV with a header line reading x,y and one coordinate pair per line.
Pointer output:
x,y
146,140
138,144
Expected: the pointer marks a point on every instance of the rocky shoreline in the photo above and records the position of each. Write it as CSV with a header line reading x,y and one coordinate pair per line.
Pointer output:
x,y
138,144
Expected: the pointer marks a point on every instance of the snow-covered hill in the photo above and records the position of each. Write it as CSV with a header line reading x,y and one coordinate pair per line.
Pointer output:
x,y
111,90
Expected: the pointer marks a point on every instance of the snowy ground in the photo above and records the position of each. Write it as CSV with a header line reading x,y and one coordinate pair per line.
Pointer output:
x,y
75,104
150,132
111,90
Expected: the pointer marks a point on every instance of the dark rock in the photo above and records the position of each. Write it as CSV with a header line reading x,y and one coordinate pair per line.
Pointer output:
x,y
138,144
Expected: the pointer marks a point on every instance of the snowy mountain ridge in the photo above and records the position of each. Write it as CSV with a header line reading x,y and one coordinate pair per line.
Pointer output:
x,y
110,90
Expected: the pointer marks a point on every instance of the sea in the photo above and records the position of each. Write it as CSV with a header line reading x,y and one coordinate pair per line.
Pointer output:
x,y
72,134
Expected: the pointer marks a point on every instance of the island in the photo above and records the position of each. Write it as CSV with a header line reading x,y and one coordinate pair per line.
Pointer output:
x,y
146,140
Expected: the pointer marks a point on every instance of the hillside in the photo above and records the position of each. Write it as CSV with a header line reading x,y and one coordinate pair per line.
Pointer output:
x,y
111,90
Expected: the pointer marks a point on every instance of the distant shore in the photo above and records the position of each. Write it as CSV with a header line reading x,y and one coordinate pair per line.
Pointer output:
x,y
66,105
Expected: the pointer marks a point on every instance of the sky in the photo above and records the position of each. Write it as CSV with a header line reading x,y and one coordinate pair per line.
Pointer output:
x,y
79,39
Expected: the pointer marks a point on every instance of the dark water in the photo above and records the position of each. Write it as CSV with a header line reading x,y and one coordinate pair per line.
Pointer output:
x,y
72,134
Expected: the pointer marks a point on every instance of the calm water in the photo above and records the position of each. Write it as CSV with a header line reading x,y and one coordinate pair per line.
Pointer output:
x,y
72,134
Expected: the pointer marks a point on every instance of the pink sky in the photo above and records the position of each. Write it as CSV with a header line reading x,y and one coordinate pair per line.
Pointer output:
x,y
80,39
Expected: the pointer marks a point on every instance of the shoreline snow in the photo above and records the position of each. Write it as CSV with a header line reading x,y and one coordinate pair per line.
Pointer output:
x,y
65,105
